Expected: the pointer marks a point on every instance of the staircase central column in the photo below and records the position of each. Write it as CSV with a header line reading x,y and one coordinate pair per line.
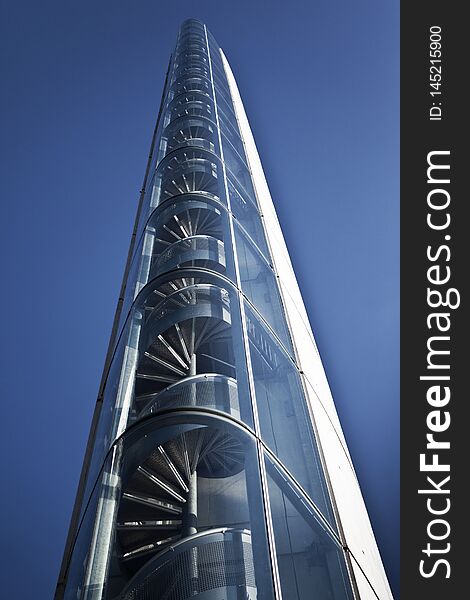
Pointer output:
x,y
190,513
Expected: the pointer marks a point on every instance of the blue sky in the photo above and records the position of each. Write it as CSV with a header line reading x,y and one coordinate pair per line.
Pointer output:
x,y
81,85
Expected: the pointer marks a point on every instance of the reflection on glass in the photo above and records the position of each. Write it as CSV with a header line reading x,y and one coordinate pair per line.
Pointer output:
x,y
220,80
283,416
226,106
238,170
259,285
217,67
103,439
232,135
77,569
310,562
244,209
91,558
222,91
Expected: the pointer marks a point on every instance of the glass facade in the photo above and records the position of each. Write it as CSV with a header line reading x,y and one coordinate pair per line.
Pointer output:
x,y
203,474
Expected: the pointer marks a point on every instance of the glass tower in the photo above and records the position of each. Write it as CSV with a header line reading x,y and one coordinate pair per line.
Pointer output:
x,y
216,466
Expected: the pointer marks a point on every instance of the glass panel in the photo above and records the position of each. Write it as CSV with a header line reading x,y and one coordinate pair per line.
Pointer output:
x,y
220,81
248,216
155,158
232,135
217,67
214,46
227,107
283,414
104,436
227,117
137,278
311,563
78,562
260,286
222,92
238,170
92,552
147,207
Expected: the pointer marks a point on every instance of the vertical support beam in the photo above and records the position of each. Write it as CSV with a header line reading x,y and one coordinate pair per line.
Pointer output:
x,y
125,392
101,543
190,508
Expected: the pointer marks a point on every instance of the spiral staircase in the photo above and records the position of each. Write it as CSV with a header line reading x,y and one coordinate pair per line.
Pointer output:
x,y
191,235
190,131
187,354
191,84
162,551
189,170
186,361
158,504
